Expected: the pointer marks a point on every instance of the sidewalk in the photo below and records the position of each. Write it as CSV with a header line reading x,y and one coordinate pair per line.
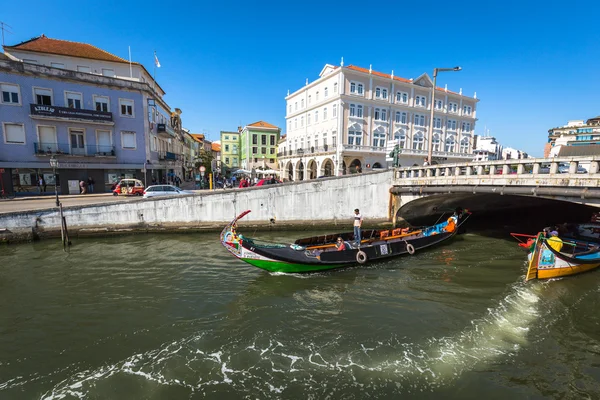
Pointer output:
x,y
62,196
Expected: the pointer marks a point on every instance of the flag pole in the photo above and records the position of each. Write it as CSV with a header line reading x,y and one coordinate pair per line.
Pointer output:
x,y
154,77
130,69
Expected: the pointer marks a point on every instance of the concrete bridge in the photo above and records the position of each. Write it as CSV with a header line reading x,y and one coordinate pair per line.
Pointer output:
x,y
419,191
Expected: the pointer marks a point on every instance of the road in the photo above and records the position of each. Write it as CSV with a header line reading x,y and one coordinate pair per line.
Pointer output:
x,y
40,203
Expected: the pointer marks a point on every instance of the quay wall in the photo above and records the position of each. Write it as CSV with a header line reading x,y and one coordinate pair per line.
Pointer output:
x,y
324,202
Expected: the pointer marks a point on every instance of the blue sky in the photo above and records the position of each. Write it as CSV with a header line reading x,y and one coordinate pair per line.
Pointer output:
x,y
534,65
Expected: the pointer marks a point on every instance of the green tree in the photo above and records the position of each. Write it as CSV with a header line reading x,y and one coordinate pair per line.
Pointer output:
x,y
205,158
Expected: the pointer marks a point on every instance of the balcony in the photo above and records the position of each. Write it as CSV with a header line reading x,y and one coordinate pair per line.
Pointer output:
x,y
363,149
65,113
94,150
168,156
165,130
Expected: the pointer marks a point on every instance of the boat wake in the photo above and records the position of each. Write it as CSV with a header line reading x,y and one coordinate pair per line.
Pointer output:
x,y
267,363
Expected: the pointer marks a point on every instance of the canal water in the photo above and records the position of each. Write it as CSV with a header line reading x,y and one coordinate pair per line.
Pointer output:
x,y
176,317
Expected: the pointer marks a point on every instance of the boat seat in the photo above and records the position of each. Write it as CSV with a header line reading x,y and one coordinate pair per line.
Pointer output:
x,y
348,245
384,234
397,232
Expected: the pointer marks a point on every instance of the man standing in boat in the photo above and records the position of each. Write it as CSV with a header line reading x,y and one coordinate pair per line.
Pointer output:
x,y
358,220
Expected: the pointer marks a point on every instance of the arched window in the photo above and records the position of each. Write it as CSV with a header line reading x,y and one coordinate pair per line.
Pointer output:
x,y
450,144
418,141
401,138
464,145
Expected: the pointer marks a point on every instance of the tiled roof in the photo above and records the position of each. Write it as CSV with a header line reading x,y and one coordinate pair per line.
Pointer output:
x,y
216,147
198,137
578,151
263,124
43,44
388,76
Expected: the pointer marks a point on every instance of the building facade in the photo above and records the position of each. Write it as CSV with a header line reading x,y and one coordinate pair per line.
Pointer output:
x,y
487,148
574,133
230,151
350,119
101,116
258,146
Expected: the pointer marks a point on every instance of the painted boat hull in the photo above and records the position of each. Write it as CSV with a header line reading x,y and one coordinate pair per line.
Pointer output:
x,y
319,254
547,263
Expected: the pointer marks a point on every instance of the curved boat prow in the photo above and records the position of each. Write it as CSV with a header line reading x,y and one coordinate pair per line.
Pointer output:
x,y
232,224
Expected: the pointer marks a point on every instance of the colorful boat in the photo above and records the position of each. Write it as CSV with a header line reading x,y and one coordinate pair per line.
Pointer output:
x,y
319,253
555,258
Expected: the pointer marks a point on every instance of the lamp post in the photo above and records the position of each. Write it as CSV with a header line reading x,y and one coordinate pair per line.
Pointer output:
x,y
430,133
54,165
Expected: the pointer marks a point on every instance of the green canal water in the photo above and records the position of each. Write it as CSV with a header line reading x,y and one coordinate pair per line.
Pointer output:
x,y
177,317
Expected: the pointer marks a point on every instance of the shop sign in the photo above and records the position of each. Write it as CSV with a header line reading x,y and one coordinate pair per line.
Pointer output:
x,y
65,112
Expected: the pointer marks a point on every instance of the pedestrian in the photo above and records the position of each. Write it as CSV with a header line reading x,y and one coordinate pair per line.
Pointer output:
x,y
425,162
90,184
41,183
154,180
44,183
82,187
358,220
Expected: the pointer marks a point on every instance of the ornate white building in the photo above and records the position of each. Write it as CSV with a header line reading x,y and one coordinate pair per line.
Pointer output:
x,y
350,119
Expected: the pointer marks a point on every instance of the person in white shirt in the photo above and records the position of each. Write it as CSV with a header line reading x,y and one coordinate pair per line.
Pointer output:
x,y
358,219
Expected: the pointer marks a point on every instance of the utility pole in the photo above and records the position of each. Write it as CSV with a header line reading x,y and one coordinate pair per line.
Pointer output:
x,y
4,27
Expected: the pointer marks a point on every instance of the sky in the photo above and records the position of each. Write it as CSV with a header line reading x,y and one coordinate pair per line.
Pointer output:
x,y
534,65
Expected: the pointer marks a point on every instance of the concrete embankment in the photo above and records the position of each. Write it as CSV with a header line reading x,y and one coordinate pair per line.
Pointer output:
x,y
322,203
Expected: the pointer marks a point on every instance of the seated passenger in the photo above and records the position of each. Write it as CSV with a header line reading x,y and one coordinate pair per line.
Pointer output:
x,y
555,242
340,245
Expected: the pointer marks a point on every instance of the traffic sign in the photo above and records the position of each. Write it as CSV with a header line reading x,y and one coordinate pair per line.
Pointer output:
x,y
202,168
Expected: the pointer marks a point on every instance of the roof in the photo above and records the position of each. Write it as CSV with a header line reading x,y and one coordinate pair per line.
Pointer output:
x,y
388,76
198,137
4,57
263,124
575,151
216,147
43,44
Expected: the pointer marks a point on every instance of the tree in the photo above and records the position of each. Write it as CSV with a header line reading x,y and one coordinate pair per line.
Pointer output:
x,y
205,158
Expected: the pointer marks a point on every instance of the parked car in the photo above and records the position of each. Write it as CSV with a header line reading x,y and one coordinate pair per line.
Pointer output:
x,y
164,190
563,168
264,182
129,187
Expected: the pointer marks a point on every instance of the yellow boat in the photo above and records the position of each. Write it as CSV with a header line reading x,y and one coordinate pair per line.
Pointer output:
x,y
550,261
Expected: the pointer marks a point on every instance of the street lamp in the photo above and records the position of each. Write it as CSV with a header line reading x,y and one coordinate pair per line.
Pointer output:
x,y
430,133
54,165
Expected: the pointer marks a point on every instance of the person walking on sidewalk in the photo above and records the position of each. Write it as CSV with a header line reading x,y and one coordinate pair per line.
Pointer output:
x,y
358,220
90,183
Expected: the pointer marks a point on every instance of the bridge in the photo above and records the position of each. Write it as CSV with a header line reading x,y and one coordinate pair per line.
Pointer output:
x,y
419,191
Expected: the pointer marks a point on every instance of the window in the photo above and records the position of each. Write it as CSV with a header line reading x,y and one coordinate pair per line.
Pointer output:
x,y
302,103
325,113
308,119
360,89
296,106
290,125
271,150
77,137
383,114
295,123
420,101
377,114
334,110
73,100
227,148
377,93
437,123
439,104
126,107
227,160
378,139
128,140
325,137
354,138
102,103
356,88
301,121
108,72
309,99
401,138
402,97
47,138
10,94
235,162
466,127
317,96
57,65
316,116
452,107
254,150
326,92
226,137
234,149
83,68
290,109
464,145
467,110
335,88
263,150
418,141
436,142
254,139
359,111
14,133
352,110
381,93
451,125
450,143
400,117
272,140
419,120
352,87
43,96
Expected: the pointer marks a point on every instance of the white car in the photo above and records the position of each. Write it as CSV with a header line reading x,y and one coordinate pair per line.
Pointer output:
x,y
163,190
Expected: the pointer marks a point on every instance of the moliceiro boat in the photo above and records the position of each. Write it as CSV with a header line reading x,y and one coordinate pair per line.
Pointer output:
x,y
320,253
551,257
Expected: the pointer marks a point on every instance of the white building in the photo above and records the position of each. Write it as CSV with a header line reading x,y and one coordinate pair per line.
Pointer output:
x,y
508,153
487,148
350,118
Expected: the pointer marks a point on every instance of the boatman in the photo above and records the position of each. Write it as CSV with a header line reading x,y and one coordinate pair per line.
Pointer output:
x,y
358,220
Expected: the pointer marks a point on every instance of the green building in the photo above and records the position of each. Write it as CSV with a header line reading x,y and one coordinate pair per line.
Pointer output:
x,y
230,151
258,146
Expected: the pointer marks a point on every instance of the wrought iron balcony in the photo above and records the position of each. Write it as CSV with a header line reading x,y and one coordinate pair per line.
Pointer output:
x,y
168,156
93,150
